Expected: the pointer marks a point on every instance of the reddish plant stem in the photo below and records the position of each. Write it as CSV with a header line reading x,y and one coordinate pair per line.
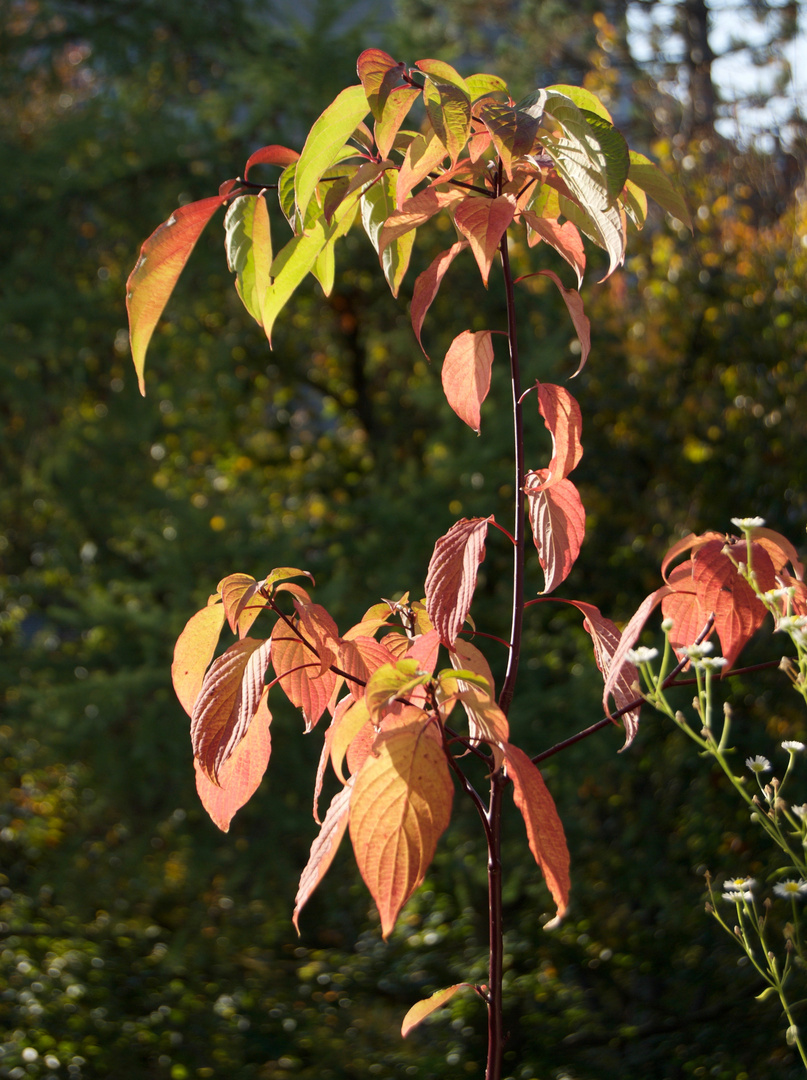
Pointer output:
x,y
493,832
509,685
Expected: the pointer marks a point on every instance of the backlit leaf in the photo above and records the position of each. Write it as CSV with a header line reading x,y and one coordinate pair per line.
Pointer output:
x,y
513,132
558,522
451,579
377,206
574,305
240,776
565,239
162,259
230,695
466,375
379,73
564,422
324,848
298,670
428,284
271,155
392,681
325,141
484,222
400,807
423,155
545,834
448,106
620,665
360,657
650,178
415,212
193,652
396,109
249,250
347,723
238,593
418,1013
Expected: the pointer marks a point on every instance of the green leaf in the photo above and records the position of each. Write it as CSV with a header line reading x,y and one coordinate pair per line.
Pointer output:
x,y
325,141
617,155
449,109
649,177
248,243
379,74
377,204
513,132
583,99
480,85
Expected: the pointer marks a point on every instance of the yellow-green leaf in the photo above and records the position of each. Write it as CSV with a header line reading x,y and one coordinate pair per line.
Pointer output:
x,y
325,141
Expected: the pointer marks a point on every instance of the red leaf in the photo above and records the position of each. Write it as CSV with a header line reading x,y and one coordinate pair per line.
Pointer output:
x,y
605,638
545,833
619,663
230,695
466,374
193,652
780,550
162,258
298,670
271,155
415,212
575,307
683,607
379,73
319,630
721,589
451,579
428,284
241,774
564,423
565,239
558,522
484,222
324,848
400,807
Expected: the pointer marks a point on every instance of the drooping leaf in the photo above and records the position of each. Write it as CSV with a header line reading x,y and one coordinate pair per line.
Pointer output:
x,y
319,629
513,132
271,155
193,652
396,109
428,284
162,259
230,695
240,776
238,593
324,848
564,422
347,723
423,154
605,637
325,141
377,206
558,522
418,1013
466,375
486,721
565,239
659,187
545,834
249,250
629,637
484,222
451,579
574,305
606,228
780,550
400,807
360,657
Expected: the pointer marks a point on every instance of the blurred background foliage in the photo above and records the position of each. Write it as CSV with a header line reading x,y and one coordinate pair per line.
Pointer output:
x,y
135,940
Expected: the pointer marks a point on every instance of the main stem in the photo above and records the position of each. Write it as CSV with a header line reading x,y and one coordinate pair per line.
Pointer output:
x,y
508,688
496,928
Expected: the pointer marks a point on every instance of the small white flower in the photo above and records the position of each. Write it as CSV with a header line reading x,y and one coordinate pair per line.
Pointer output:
x,y
642,655
791,889
800,811
758,764
738,896
791,622
748,523
793,746
740,884
779,594
711,663
697,652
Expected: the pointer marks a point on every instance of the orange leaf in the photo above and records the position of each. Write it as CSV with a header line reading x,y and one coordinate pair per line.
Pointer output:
x,y
630,635
230,695
347,723
397,106
360,657
565,239
237,593
194,651
545,833
415,212
427,286
401,806
271,155
574,305
162,259
721,589
451,579
418,1013
466,374
324,848
298,670
379,73
558,522
423,155
484,222
564,423
241,774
